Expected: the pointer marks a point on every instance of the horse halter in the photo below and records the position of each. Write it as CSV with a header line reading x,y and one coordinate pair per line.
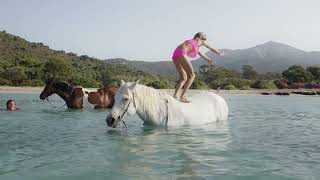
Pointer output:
x,y
47,96
126,110
50,85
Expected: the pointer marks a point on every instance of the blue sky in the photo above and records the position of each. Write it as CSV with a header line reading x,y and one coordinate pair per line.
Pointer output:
x,y
150,30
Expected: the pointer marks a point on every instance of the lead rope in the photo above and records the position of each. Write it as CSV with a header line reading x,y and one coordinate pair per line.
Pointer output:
x,y
53,104
167,108
124,124
135,106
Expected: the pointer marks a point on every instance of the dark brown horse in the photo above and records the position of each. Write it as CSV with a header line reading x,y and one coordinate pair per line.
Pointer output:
x,y
72,95
103,97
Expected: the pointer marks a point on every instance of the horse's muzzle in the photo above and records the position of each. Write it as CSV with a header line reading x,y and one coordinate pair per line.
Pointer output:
x,y
110,120
42,97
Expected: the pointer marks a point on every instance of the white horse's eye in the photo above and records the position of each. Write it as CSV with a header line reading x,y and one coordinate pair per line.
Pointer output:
x,y
125,98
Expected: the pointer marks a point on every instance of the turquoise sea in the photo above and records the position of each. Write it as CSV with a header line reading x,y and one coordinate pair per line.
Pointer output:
x,y
266,137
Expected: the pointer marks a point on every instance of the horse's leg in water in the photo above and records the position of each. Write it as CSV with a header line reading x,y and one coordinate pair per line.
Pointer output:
x,y
182,75
187,66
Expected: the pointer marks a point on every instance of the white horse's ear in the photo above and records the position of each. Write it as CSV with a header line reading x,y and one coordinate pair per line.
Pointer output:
x,y
134,85
122,82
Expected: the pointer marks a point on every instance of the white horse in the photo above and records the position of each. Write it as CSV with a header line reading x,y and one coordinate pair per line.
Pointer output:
x,y
157,108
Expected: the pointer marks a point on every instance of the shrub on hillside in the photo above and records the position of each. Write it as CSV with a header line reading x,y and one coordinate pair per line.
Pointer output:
x,y
236,82
15,74
230,87
85,81
158,84
297,74
4,82
215,84
198,84
264,84
312,86
281,84
245,88
296,86
37,82
155,84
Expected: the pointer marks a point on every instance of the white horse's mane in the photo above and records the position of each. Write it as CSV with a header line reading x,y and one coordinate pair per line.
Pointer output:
x,y
151,102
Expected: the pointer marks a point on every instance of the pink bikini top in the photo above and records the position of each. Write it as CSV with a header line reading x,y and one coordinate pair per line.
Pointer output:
x,y
195,47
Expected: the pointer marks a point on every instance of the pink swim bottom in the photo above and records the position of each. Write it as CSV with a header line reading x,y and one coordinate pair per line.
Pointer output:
x,y
179,52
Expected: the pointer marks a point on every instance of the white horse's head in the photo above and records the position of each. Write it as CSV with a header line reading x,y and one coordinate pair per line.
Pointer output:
x,y
124,104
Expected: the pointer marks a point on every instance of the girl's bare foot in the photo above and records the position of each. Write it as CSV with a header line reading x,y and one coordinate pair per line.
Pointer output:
x,y
176,95
184,100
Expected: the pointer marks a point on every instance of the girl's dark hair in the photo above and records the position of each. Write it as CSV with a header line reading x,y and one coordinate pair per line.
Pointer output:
x,y
9,101
200,35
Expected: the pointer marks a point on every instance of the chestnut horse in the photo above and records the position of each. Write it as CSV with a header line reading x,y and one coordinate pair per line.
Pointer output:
x,y
72,95
103,97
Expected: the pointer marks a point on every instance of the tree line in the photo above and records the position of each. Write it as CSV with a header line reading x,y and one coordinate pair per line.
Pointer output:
x,y
294,77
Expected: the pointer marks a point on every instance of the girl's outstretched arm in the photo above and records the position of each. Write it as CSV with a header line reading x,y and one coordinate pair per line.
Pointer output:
x,y
212,49
205,57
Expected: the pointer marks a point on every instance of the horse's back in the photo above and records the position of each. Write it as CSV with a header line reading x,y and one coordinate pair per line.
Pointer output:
x,y
205,107
217,103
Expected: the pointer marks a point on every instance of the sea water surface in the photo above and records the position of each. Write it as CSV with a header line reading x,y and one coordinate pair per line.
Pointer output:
x,y
266,137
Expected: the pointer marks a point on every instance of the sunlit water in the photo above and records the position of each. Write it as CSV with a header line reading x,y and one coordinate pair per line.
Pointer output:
x,y
265,138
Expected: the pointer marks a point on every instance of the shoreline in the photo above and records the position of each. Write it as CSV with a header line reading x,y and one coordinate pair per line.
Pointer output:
x,y
26,89
37,90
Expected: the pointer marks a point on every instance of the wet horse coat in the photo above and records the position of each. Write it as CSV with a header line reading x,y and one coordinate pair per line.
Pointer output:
x,y
103,97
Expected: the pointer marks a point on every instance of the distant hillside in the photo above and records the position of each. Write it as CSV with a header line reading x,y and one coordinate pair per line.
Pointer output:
x,y
267,57
163,68
29,63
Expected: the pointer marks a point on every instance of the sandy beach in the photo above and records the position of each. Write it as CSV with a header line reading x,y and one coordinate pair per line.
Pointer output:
x,y
11,89
26,90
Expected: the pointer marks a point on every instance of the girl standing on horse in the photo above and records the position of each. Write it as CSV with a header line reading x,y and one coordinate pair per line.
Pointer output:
x,y
189,48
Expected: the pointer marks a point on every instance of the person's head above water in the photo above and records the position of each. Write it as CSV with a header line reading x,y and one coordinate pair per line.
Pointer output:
x,y
11,105
201,36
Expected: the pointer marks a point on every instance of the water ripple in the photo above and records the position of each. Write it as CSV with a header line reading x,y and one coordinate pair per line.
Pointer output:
x,y
264,138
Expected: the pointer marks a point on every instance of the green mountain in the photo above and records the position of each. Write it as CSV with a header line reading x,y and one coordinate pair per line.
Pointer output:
x,y
24,63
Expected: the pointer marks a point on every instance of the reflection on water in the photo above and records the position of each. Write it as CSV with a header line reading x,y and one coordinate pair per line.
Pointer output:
x,y
264,138
139,152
